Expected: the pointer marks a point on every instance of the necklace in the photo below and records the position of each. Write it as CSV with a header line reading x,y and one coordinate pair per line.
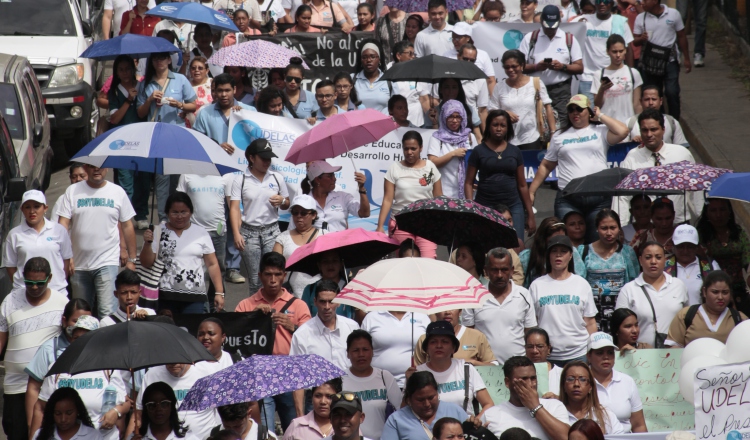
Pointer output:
x,y
499,153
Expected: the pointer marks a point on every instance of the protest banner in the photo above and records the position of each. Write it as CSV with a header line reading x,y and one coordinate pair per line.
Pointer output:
x,y
494,379
656,373
247,332
722,402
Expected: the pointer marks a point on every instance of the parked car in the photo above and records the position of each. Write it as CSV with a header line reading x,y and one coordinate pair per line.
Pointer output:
x,y
52,34
22,105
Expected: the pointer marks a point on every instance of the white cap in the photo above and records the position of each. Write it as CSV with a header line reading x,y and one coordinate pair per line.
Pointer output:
x,y
304,201
599,340
318,167
462,28
685,234
34,195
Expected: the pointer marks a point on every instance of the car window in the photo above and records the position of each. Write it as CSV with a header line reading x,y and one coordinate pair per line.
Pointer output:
x,y
37,17
28,98
36,101
7,155
11,109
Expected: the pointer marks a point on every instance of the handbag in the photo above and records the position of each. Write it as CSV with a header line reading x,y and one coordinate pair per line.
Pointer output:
x,y
654,58
659,338
541,122
150,277
389,408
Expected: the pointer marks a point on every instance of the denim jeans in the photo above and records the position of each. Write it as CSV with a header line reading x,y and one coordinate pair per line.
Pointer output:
x,y
220,247
180,307
670,83
519,218
700,15
232,258
97,287
584,88
588,206
284,403
259,240
141,192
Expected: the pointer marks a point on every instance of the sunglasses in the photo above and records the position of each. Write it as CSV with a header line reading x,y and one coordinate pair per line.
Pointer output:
x,y
35,283
293,79
300,212
164,404
349,397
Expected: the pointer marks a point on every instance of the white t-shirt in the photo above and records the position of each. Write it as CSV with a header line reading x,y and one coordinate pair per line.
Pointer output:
x,y
557,49
505,415
298,280
122,316
662,29
184,33
554,379
515,315
183,261
595,56
522,102
374,391
199,423
430,41
412,90
94,214
578,153
339,206
670,299
449,171
451,383
477,93
212,367
407,182
693,279
208,194
629,232
229,6
560,309
612,425
256,195
618,99
276,10
52,243
621,397
119,7
392,340
84,433
90,387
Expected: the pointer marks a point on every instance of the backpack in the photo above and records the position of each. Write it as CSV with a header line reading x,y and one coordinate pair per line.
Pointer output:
x,y
535,36
694,309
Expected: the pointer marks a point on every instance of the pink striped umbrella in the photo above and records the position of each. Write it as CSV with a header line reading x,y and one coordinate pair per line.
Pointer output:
x,y
420,285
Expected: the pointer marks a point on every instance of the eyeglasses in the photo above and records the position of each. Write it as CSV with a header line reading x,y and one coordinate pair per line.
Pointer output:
x,y
539,347
454,117
343,87
36,283
328,96
300,212
293,79
164,404
370,57
581,379
407,52
602,2
197,68
493,19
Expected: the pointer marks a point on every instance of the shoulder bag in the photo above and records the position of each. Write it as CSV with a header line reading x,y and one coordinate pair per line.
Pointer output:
x,y
150,277
541,121
654,58
659,338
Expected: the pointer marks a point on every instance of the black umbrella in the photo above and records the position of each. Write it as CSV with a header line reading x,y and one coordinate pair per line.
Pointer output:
x,y
603,184
433,68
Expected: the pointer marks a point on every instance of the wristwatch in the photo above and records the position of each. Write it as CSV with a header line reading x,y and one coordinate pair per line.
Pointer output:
x,y
363,191
131,260
565,68
534,411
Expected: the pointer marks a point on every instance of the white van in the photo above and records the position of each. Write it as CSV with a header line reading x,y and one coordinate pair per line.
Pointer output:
x,y
52,34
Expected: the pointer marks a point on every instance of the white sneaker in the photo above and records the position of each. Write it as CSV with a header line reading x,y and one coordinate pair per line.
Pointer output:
x,y
698,60
141,225
233,276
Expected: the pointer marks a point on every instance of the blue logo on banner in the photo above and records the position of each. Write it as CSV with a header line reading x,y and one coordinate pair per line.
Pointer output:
x,y
734,435
245,132
512,39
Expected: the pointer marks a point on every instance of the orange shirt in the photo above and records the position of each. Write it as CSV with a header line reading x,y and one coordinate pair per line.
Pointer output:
x,y
298,313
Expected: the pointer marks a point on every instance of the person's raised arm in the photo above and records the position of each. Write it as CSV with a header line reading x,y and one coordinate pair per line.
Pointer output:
x,y
617,130
389,191
364,202
545,168
147,253
555,429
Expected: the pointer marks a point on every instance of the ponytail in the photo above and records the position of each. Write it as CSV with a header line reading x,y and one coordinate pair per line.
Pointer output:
x,y
306,186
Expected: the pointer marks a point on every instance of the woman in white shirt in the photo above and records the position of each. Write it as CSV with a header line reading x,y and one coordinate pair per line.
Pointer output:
x,y
449,146
440,343
564,303
303,215
538,349
334,207
159,418
578,149
518,95
618,86
212,335
66,417
581,399
405,182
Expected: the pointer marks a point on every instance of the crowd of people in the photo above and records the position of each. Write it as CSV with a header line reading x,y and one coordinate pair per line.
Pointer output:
x,y
577,290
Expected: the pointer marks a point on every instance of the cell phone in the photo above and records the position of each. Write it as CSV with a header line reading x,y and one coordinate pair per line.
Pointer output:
x,y
548,60
606,80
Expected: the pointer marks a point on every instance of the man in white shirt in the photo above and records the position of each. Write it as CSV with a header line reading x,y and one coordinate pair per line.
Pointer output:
x,y
91,210
506,316
554,56
599,27
127,292
476,91
656,152
651,98
462,34
113,10
685,265
183,31
435,39
545,419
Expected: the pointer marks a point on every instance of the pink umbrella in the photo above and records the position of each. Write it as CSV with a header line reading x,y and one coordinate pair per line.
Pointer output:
x,y
356,247
256,53
340,134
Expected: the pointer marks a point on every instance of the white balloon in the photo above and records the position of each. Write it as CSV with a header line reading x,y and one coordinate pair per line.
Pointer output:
x,y
687,374
738,350
701,347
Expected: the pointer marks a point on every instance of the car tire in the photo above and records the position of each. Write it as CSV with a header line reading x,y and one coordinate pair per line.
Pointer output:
x,y
83,135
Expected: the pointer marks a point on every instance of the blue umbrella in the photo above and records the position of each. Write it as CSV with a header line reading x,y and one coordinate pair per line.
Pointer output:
x,y
194,13
735,186
137,46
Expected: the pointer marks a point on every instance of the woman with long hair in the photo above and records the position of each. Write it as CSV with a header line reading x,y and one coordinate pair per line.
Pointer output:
x,y
389,30
581,400
243,89
662,229
538,348
317,423
623,326
617,87
365,17
272,101
302,21
414,24
346,95
159,419
533,258
65,417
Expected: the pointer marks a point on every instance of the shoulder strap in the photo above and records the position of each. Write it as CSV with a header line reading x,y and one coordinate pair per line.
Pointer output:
x,y
532,43
690,315
631,122
466,386
115,318
287,305
585,253
382,377
290,108
736,317
653,311
569,43
671,121
390,88
313,235
632,78
242,187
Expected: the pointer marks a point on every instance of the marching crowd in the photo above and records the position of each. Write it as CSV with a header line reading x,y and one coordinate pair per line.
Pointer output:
x,y
597,279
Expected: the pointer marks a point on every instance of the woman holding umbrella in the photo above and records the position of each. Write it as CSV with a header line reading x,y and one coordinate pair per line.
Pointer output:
x,y
160,420
334,207
448,147
66,417
405,182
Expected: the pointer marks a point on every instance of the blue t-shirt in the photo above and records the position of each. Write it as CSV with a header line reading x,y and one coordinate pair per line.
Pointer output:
x,y
497,176
373,95
179,89
404,424
305,105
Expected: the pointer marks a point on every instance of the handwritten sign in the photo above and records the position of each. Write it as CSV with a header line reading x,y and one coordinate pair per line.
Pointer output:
x,y
494,379
722,402
656,373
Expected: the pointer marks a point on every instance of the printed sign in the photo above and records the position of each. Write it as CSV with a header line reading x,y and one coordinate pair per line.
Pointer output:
x,y
722,402
247,332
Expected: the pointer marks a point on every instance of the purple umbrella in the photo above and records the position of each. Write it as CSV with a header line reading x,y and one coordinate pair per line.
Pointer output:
x,y
256,53
258,377
421,5
686,176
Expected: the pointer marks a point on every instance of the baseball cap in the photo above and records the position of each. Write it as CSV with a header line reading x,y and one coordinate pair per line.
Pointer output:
x,y
551,17
34,195
346,400
685,234
262,148
560,240
462,28
480,433
578,100
304,201
318,167
86,322
599,340
440,328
